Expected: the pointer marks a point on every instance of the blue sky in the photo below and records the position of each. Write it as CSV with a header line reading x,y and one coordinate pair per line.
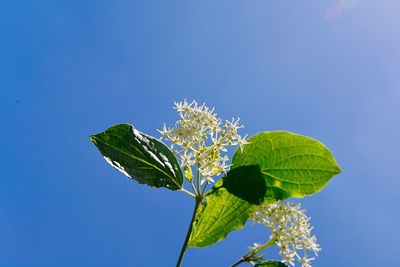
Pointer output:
x,y
328,69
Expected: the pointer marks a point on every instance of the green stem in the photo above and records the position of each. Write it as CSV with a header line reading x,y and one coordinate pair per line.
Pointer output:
x,y
270,242
240,261
185,244
204,189
252,253
188,192
198,180
194,188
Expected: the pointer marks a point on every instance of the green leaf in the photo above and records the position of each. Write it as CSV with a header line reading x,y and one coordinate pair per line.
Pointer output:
x,y
228,205
188,173
139,156
270,264
274,166
292,165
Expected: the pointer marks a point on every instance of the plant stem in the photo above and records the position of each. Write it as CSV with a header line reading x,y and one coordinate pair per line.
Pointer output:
x,y
194,188
240,261
269,243
188,192
185,244
249,256
204,189
198,180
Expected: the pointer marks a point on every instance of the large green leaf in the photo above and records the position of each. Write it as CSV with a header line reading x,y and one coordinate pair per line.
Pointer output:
x,y
274,166
139,156
292,165
228,205
270,264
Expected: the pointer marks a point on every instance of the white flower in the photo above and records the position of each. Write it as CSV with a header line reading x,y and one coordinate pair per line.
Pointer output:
x,y
305,262
289,258
202,138
164,130
291,230
241,142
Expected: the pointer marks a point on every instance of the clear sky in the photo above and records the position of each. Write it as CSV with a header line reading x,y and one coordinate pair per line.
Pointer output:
x,y
328,69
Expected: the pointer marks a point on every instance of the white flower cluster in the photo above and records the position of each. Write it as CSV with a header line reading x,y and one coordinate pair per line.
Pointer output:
x,y
291,231
202,137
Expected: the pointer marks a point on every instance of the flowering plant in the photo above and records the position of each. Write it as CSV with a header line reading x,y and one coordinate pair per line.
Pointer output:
x,y
265,170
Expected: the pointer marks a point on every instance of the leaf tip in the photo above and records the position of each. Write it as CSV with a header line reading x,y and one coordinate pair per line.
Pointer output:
x,y
93,138
338,170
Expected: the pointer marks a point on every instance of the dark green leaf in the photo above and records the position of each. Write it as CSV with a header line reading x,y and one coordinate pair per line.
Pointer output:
x,y
228,205
292,165
270,264
139,156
